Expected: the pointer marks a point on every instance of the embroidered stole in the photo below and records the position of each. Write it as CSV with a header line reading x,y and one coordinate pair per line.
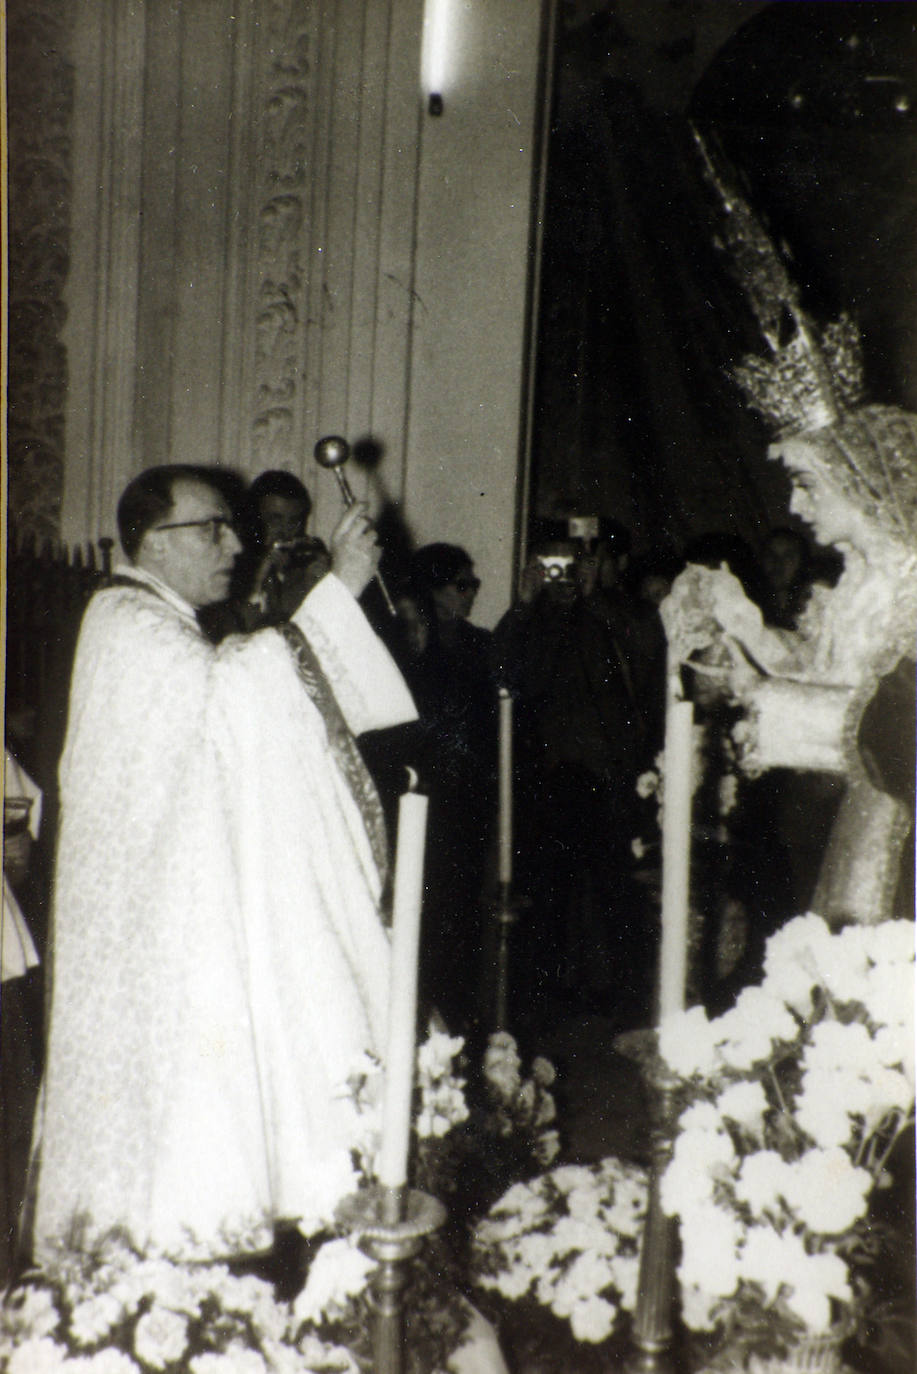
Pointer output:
x,y
343,744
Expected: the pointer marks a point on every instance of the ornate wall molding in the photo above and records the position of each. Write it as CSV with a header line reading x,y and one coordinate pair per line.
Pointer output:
x,y
285,63
40,111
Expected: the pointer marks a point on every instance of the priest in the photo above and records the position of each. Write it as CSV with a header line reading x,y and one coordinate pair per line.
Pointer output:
x,y
218,962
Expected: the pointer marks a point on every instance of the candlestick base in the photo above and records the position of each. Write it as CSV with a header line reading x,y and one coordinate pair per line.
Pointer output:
x,y
390,1225
652,1327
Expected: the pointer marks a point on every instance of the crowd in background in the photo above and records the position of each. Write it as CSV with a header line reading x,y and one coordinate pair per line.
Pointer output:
x,y
582,652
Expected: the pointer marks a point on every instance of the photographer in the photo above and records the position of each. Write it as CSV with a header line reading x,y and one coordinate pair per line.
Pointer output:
x,y
280,564
565,649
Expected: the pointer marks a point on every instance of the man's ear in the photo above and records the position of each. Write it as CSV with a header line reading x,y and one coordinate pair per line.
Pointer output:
x,y
150,548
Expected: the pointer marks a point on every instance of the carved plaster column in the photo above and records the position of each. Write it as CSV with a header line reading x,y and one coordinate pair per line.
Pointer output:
x,y
102,293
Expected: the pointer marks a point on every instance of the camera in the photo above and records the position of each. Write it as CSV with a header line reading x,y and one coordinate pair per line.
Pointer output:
x,y
300,552
557,567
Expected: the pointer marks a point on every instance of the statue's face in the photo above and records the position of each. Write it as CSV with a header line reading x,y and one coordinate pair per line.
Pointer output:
x,y
822,505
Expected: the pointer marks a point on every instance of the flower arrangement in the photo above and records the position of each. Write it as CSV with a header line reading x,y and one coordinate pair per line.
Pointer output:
x,y
569,1239
796,1098
469,1119
503,1130
516,1105
113,1312
110,1310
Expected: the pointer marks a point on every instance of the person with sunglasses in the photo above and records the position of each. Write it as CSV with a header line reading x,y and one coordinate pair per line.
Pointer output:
x,y
456,692
218,956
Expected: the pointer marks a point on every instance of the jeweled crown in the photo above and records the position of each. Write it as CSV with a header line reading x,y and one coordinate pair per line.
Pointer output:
x,y
813,375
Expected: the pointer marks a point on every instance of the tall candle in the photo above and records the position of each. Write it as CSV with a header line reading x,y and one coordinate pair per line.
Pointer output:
x,y
392,1170
676,855
505,798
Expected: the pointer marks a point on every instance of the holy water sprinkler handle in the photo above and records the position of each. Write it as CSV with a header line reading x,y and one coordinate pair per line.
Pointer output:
x,y
332,452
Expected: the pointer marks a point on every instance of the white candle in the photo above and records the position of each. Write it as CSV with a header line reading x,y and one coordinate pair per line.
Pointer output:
x,y
392,1170
505,800
676,855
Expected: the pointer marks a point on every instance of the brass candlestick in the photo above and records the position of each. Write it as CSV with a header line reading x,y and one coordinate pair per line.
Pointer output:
x,y
390,1225
653,1327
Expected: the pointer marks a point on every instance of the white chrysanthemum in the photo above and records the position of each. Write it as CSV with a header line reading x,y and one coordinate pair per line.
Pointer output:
x,y
570,1176
762,1182
37,1356
513,1282
746,1033
94,1318
891,942
571,1234
706,1150
317,1354
791,960
700,1116
522,1197
842,965
584,1202
160,1337
888,995
593,1320
827,1191
625,1275
172,1285
686,1042
585,1278
699,1157
29,1311
710,1251
698,1307
890,1090
338,1272
536,1251
744,1103
834,1045
811,1284
821,1112
765,1256
626,1214
894,1046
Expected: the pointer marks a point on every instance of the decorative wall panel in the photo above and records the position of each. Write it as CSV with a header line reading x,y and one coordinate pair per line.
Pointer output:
x,y
40,105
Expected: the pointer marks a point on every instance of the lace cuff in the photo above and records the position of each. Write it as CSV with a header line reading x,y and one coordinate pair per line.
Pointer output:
x,y
794,725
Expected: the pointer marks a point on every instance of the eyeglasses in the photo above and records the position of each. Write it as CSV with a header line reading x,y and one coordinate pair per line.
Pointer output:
x,y
467,584
218,525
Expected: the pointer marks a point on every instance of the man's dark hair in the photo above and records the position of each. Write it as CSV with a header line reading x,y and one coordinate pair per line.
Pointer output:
x,y
435,565
279,482
147,499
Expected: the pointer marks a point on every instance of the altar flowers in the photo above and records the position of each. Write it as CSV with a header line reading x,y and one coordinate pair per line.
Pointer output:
x,y
793,1103
569,1240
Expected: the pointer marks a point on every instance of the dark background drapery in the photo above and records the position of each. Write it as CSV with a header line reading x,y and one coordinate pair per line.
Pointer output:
x,y
814,107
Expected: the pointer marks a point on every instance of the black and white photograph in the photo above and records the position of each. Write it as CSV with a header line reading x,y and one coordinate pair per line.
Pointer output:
x,y
459,527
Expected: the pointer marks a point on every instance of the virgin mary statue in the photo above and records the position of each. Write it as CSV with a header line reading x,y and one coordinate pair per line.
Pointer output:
x,y
837,694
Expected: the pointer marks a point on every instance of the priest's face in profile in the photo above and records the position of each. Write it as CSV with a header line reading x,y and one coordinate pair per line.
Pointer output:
x,y
194,548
